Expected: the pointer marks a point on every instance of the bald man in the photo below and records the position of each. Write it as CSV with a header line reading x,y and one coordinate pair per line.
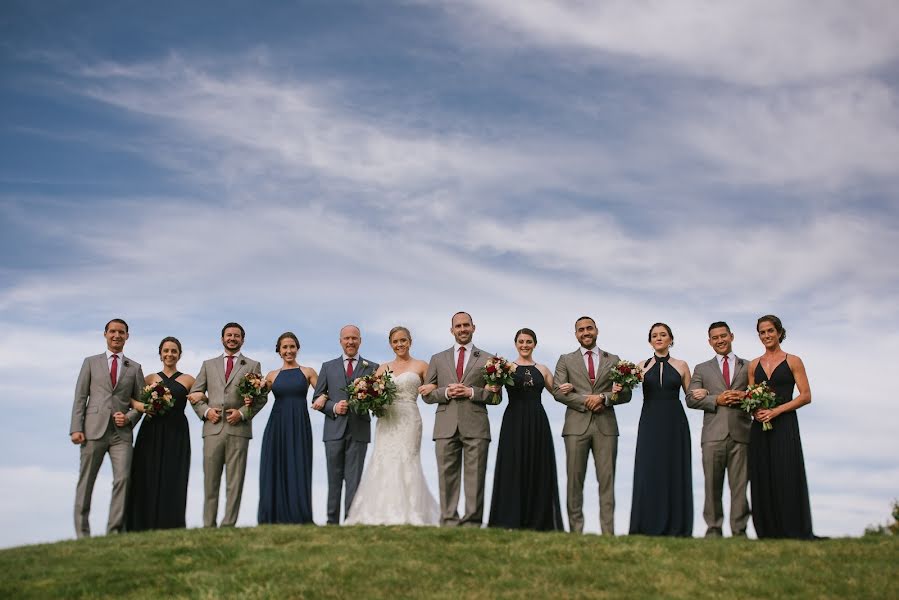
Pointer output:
x,y
346,434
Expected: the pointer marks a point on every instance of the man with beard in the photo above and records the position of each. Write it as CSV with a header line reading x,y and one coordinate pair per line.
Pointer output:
x,y
461,428
582,383
226,424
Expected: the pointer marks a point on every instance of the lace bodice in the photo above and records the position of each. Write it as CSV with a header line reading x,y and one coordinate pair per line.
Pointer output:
x,y
407,386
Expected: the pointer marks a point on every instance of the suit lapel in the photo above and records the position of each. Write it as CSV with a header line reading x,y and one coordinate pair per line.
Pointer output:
x,y
451,360
739,365
605,364
475,357
219,366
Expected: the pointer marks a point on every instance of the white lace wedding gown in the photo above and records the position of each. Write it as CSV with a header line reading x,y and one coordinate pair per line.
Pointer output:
x,y
393,490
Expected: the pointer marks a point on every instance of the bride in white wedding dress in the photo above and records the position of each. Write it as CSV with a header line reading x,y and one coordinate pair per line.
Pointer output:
x,y
393,490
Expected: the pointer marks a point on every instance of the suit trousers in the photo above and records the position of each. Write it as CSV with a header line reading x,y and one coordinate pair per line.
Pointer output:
x,y
345,459
92,453
228,452
605,455
468,455
717,457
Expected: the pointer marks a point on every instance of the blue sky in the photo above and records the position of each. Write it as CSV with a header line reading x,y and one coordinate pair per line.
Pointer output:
x,y
303,165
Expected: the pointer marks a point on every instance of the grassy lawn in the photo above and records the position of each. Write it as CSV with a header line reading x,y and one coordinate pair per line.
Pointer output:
x,y
391,562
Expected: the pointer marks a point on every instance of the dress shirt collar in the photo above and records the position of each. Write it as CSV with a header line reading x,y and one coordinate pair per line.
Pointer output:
x,y
468,348
722,357
109,354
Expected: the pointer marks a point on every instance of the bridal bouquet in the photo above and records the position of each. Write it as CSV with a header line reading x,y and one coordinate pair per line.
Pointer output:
x,y
157,399
627,375
498,371
371,393
759,396
252,387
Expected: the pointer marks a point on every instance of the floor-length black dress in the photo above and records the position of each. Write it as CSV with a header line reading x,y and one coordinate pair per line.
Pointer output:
x,y
525,485
285,469
160,466
663,483
777,483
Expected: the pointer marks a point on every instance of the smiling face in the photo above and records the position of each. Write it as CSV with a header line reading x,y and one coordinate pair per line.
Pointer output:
x,y
401,342
116,335
525,345
350,340
462,328
721,340
288,349
585,332
232,340
769,335
660,340
169,354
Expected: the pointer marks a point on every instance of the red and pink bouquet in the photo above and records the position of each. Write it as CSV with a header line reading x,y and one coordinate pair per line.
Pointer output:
x,y
498,371
627,375
759,396
157,399
252,388
371,393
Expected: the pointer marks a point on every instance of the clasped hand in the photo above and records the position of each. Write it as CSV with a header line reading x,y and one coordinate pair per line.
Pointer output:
x,y
458,391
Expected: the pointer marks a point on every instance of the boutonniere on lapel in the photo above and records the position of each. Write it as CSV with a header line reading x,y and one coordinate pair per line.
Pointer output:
x,y
605,354
127,363
476,353
364,364
242,362
739,362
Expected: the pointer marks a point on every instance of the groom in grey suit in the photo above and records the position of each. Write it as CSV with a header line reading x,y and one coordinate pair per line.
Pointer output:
x,y
461,428
227,427
582,383
716,388
346,434
102,420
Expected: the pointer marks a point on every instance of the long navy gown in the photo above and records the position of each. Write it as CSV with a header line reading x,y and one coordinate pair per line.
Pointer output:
x,y
525,486
285,470
663,483
777,482
160,466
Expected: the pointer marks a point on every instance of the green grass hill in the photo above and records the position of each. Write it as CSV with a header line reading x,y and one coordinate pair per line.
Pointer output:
x,y
407,562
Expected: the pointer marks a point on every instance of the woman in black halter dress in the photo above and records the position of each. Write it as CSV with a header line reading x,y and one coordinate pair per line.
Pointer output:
x,y
662,502
779,490
525,484
161,462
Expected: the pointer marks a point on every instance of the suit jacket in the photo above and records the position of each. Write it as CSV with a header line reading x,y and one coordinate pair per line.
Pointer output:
x,y
469,416
96,400
571,369
223,394
719,421
331,381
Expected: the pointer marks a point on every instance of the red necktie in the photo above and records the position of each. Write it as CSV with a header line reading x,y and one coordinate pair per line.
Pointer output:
x,y
460,364
229,367
349,367
114,371
725,370
590,369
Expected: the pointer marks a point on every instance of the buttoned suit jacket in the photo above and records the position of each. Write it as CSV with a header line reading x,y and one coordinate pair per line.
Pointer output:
x,y
571,369
222,394
469,416
719,421
96,400
331,381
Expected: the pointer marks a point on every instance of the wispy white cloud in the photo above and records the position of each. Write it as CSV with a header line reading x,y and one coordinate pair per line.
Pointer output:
x,y
755,43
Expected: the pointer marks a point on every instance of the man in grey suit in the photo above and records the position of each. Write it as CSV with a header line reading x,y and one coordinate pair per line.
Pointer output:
x,y
461,428
346,434
716,388
102,420
227,427
582,383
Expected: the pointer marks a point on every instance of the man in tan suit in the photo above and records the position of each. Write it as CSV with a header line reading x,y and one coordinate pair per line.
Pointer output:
x,y
227,427
581,382
461,428
716,388
102,420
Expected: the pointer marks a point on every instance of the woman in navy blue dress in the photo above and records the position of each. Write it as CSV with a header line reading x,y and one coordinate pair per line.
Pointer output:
x,y
285,470
662,503
778,486
161,462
